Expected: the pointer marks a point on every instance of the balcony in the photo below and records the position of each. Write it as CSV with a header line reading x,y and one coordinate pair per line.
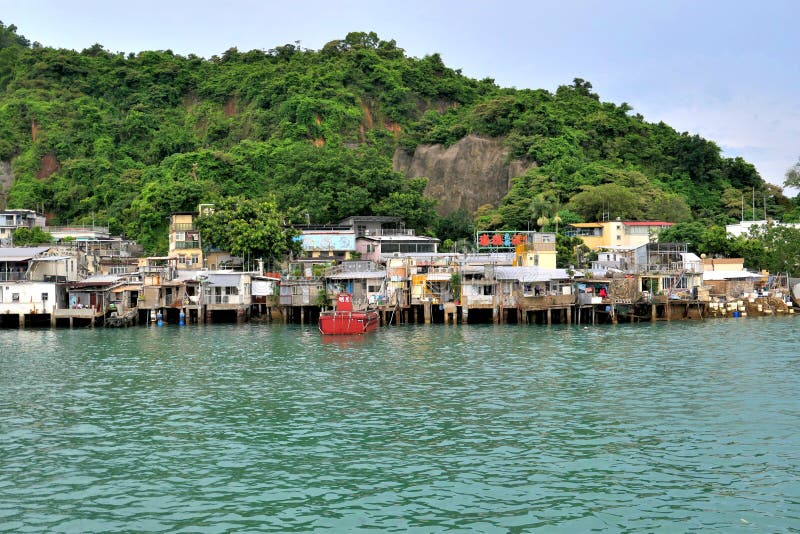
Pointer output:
x,y
226,299
187,244
181,227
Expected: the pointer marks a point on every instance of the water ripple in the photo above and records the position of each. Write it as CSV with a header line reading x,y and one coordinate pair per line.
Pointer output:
x,y
670,426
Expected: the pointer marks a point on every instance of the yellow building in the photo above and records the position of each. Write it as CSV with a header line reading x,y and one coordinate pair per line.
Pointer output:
x,y
537,254
184,241
598,235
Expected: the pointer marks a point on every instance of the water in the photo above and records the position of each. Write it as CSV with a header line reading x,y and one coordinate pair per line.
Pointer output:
x,y
682,426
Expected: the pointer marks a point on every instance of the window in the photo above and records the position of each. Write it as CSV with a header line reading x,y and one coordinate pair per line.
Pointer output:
x,y
14,297
44,297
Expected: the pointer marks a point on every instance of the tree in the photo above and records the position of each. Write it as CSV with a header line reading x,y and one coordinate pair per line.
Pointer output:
x,y
612,199
668,207
411,205
455,226
684,232
781,248
23,236
793,176
249,228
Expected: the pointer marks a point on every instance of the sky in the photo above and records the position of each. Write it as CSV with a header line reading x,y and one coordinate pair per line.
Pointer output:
x,y
728,70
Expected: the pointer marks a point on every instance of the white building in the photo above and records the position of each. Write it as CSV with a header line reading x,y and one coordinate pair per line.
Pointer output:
x,y
744,228
10,220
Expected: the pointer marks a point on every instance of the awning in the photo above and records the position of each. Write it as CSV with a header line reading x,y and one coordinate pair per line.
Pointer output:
x,y
130,287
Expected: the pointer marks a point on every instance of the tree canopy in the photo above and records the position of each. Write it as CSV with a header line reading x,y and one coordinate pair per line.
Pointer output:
x,y
249,229
24,236
129,139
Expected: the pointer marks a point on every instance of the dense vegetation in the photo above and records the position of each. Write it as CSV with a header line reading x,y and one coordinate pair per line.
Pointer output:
x,y
125,140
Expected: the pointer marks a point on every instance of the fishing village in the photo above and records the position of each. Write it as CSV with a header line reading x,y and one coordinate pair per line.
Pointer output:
x,y
502,267
94,279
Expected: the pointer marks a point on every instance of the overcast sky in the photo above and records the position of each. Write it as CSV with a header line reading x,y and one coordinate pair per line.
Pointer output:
x,y
727,70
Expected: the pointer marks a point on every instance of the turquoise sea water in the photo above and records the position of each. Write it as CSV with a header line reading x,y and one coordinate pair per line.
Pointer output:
x,y
673,427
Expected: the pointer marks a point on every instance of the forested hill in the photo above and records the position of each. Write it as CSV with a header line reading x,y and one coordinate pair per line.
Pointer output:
x,y
125,140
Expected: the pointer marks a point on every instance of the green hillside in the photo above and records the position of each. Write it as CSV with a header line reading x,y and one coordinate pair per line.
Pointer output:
x,y
125,140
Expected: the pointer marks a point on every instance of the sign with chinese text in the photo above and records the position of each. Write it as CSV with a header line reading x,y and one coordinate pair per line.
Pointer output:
x,y
507,239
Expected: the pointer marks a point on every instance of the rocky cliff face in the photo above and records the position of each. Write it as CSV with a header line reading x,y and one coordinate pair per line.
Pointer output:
x,y
468,174
6,181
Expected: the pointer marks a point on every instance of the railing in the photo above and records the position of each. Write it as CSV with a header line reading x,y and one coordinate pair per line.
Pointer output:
x,y
224,299
547,301
393,231
68,229
187,244
11,277
181,227
540,246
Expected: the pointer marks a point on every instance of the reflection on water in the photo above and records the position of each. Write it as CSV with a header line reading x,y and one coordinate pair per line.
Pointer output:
x,y
670,426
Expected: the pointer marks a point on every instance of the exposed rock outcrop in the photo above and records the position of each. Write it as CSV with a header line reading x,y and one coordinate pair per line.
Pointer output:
x,y
472,172
47,166
6,181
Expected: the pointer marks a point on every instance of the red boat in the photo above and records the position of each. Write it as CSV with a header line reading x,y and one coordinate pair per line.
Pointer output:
x,y
345,321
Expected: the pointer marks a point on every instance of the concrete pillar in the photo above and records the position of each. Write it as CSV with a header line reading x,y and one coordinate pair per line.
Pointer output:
x,y
464,315
549,317
569,315
653,312
22,320
427,311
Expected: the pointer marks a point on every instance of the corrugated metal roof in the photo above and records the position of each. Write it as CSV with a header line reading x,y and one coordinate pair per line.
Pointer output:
x,y
20,253
359,275
729,275
404,238
647,223
620,248
52,258
531,274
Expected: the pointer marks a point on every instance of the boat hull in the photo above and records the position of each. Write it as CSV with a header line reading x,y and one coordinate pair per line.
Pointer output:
x,y
348,322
